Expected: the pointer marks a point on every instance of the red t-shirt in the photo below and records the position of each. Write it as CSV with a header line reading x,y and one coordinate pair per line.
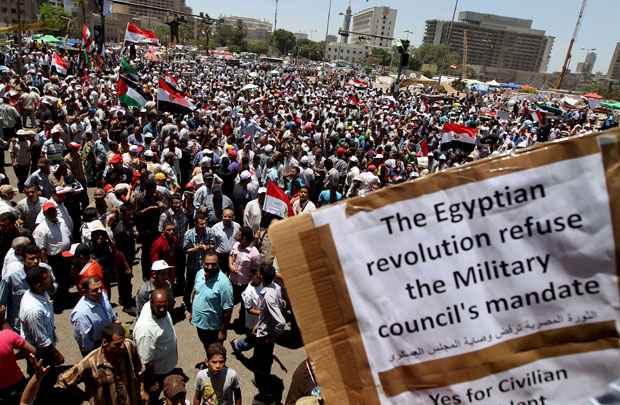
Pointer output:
x,y
9,370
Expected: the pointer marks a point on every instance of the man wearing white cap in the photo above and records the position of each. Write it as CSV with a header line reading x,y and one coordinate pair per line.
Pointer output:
x,y
19,150
52,237
54,148
252,214
159,279
244,191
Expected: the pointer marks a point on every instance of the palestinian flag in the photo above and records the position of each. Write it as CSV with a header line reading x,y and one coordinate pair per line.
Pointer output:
x,y
127,69
88,46
59,64
137,35
170,100
277,202
130,93
538,117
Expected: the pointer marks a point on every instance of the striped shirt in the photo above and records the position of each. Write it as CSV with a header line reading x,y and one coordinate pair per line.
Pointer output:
x,y
54,150
36,316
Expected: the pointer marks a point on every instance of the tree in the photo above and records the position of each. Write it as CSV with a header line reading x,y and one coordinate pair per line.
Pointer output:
x,y
284,41
223,33
379,56
310,49
53,18
439,55
258,47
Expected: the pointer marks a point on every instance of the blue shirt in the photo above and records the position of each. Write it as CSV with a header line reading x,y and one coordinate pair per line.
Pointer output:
x,y
191,239
212,298
88,319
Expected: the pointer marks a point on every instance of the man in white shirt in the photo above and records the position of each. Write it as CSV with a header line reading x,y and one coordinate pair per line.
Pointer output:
x,y
52,236
156,342
252,214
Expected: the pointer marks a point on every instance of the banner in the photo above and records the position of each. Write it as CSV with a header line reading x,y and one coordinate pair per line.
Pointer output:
x,y
492,283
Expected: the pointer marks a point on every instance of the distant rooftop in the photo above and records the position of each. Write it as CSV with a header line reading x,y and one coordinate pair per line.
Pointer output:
x,y
499,22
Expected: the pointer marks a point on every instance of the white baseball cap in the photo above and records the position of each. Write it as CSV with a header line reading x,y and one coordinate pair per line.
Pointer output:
x,y
160,265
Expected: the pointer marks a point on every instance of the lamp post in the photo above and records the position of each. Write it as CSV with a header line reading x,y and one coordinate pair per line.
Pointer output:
x,y
329,13
456,5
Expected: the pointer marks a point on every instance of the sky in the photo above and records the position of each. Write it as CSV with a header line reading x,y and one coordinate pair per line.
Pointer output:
x,y
556,17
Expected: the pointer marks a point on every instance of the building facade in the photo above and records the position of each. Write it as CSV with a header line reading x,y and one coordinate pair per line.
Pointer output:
x,y
13,12
379,21
331,38
614,66
351,53
301,36
167,9
257,30
587,65
493,41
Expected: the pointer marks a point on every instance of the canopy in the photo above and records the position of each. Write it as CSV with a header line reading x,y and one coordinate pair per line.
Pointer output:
x,y
513,86
249,87
593,95
494,83
612,105
48,39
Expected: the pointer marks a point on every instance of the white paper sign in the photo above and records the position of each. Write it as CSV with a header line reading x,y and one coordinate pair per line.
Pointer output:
x,y
476,265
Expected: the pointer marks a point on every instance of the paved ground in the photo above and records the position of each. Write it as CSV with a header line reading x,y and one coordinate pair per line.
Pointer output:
x,y
190,349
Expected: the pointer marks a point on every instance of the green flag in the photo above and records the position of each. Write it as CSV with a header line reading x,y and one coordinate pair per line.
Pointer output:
x,y
127,68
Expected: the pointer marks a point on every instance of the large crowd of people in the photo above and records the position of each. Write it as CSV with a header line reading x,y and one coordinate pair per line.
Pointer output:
x,y
110,189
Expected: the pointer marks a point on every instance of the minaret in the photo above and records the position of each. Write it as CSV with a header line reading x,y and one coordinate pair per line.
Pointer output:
x,y
346,24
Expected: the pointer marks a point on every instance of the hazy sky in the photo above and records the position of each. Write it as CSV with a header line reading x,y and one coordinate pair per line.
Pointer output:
x,y
557,17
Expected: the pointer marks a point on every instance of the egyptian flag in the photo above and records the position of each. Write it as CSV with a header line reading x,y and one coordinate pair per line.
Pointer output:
x,y
170,100
129,93
59,64
137,35
277,202
354,100
458,133
360,84
538,117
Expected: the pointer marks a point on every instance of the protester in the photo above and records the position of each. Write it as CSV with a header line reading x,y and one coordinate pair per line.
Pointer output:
x,y
116,366
91,314
12,382
159,280
217,383
156,342
269,326
212,302
36,317
170,184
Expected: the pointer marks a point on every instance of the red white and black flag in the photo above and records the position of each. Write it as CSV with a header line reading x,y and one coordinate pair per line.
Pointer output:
x,y
169,99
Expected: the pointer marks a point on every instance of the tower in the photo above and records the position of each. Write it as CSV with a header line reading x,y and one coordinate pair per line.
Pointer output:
x,y
346,24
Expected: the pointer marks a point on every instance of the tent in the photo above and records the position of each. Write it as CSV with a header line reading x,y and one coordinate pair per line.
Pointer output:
x,y
493,83
48,39
610,104
512,86
593,95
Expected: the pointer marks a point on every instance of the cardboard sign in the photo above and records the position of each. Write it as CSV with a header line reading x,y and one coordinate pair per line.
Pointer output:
x,y
491,283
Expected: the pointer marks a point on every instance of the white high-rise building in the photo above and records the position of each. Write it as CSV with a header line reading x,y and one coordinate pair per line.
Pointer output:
x,y
379,21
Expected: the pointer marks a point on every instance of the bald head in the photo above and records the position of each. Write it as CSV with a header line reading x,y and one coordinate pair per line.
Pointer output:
x,y
20,241
159,303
